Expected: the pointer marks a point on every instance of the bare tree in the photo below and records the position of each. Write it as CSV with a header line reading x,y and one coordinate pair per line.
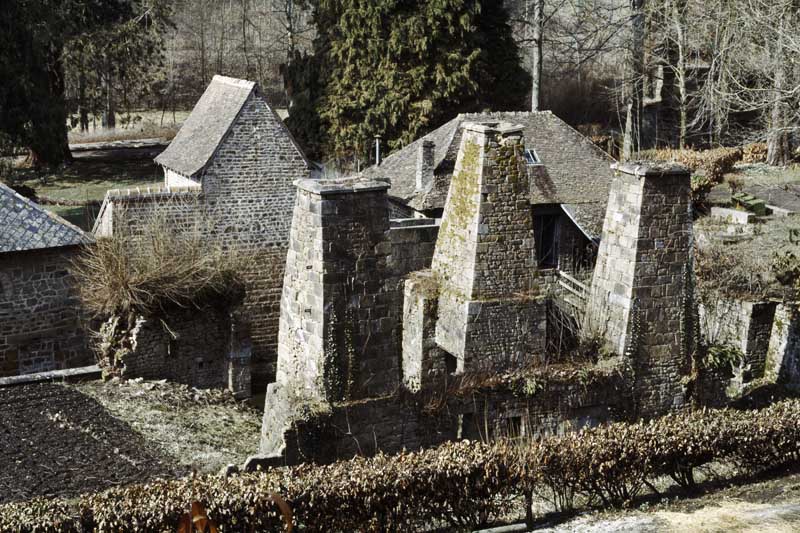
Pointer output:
x,y
633,82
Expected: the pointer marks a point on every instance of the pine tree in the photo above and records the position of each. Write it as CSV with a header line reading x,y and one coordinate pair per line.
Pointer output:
x,y
399,68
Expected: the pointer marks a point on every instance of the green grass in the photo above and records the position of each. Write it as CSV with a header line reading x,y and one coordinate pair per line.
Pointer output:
x,y
87,179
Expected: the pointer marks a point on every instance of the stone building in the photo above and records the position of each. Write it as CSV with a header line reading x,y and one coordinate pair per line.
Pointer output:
x,y
228,175
379,354
568,176
40,317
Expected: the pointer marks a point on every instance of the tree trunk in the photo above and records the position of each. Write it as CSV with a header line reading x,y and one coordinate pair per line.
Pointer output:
x,y
632,90
109,112
49,145
680,70
83,111
778,151
536,54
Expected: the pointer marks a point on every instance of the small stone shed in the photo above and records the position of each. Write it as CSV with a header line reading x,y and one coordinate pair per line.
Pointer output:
x,y
40,316
228,173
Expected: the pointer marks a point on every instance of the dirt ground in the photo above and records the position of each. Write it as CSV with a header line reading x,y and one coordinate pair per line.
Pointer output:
x,y
55,441
62,440
197,429
771,504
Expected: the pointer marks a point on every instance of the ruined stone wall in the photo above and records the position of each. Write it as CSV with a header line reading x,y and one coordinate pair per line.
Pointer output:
x,y
40,316
424,363
392,424
783,356
641,298
188,346
744,325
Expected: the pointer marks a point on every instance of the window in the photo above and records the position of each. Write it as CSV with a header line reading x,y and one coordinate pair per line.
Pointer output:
x,y
546,229
531,157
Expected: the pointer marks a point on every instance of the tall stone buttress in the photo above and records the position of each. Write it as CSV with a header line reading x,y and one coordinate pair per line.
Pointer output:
x,y
641,298
337,336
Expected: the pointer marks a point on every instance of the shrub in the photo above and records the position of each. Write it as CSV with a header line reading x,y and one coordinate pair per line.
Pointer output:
x,y
708,167
754,153
164,263
464,484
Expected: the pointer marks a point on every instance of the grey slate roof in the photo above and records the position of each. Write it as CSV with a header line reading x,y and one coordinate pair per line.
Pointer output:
x,y
25,225
204,128
576,172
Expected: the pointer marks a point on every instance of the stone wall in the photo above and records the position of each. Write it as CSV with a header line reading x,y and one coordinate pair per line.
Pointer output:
x,y
395,423
640,299
489,313
194,346
744,325
424,363
245,204
338,328
783,355
40,318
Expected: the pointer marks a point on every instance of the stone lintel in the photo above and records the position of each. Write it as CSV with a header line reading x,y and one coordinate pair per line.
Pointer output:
x,y
325,187
650,169
503,128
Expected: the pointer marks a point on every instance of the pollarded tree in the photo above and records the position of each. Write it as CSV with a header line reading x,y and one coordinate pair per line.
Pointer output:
x,y
397,68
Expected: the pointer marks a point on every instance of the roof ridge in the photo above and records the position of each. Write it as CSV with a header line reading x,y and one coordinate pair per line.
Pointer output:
x,y
236,82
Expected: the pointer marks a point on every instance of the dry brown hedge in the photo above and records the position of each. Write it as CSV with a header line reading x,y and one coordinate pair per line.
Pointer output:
x,y
458,484
708,166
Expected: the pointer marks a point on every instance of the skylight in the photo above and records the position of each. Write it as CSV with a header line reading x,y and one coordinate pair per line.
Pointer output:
x,y
531,157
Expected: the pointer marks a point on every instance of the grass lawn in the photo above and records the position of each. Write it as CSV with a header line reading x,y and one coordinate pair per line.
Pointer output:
x,y
89,177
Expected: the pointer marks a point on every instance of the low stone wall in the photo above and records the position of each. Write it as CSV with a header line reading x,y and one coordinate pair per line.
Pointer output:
x,y
748,326
783,356
40,317
394,423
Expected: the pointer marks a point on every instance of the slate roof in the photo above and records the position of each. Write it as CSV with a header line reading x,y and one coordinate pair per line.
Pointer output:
x,y
576,172
204,128
25,225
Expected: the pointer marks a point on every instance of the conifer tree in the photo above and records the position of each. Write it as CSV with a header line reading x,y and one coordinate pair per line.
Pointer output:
x,y
399,68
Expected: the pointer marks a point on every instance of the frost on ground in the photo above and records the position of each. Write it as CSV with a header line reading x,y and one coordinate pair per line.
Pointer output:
x,y
201,429
766,506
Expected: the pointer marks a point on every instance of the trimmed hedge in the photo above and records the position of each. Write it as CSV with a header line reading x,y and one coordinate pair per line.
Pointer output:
x,y
461,483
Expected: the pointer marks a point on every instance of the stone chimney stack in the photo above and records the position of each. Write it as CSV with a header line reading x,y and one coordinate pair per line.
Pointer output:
x,y
489,307
425,164
641,297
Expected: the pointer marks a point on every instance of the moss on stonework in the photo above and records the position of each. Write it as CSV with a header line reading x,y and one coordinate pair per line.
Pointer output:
x,y
507,160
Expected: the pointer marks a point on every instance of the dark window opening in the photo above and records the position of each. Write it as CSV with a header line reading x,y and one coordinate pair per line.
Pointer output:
x,y
450,363
515,429
546,228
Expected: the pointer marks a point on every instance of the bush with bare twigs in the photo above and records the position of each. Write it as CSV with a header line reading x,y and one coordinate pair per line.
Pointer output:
x,y
461,484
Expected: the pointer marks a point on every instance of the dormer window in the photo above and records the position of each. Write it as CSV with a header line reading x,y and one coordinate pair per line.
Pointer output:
x,y
531,157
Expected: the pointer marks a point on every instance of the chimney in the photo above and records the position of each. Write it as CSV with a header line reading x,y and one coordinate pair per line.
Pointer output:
x,y
377,150
425,164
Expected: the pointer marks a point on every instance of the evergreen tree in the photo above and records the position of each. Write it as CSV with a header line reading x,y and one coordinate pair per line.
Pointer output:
x,y
399,68
34,35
